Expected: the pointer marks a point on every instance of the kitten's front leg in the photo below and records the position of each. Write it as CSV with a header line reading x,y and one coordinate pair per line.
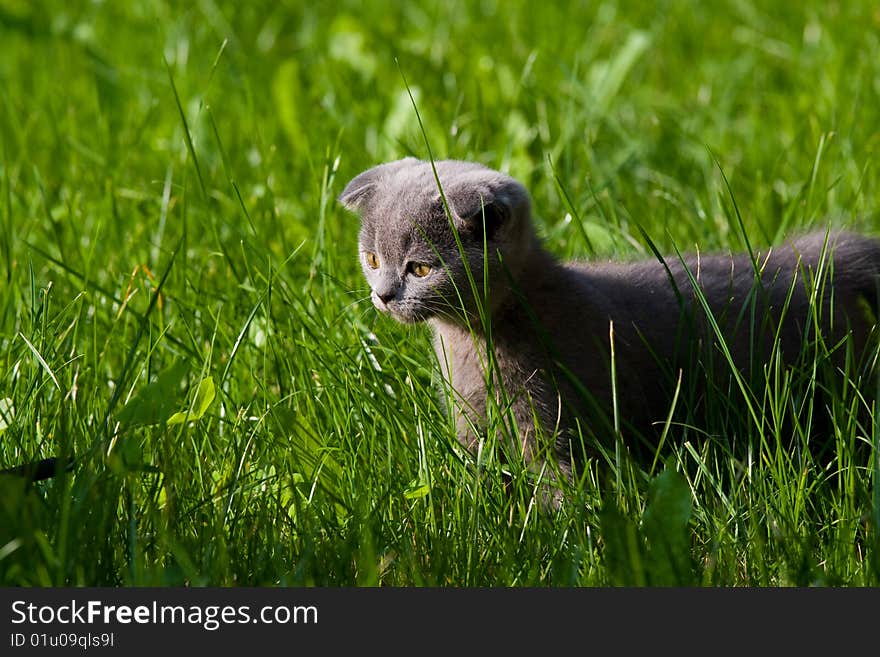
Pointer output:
x,y
538,442
518,441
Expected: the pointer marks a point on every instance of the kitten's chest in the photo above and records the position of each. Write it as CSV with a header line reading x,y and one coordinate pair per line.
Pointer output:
x,y
463,364
466,364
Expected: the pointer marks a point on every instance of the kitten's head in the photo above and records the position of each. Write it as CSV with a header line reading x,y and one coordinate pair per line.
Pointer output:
x,y
408,249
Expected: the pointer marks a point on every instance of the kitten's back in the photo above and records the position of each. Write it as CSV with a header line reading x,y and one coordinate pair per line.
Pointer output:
x,y
660,325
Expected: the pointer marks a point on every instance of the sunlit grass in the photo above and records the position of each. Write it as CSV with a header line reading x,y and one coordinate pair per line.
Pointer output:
x,y
131,277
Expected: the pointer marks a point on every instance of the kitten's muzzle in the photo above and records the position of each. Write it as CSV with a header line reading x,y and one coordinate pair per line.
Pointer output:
x,y
384,291
386,302
382,299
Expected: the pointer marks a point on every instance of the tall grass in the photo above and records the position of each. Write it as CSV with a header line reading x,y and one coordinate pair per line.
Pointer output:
x,y
167,229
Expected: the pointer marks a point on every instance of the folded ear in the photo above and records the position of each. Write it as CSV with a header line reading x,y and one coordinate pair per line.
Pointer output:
x,y
361,188
487,219
487,201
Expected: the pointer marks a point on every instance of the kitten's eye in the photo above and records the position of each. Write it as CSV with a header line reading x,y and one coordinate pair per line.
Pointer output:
x,y
419,269
372,259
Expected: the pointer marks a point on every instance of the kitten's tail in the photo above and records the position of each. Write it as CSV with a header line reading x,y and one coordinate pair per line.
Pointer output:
x,y
860,257
38,470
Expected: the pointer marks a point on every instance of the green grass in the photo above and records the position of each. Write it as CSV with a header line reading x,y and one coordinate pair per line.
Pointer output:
x,y
167,224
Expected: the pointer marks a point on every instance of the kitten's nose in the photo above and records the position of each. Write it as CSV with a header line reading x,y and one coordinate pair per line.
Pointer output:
x,y
386,296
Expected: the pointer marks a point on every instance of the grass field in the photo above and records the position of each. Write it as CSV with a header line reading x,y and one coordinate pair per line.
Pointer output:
x,y
170,243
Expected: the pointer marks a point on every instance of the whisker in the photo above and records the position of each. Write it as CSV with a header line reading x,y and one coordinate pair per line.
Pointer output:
x,y
442,311
368,311
356,302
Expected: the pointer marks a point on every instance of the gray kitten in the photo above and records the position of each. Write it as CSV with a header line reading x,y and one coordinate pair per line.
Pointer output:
x,y
550,324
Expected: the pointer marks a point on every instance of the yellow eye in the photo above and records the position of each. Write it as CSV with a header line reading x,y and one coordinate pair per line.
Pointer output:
x,y
419,269
372,259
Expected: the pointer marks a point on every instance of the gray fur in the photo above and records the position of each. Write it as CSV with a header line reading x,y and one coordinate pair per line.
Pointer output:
x,y
550,321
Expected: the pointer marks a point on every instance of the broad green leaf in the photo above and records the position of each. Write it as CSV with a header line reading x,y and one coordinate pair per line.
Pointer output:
x,y
417,489
204,396
287,92
665,526
624,548
7,412
349,44
607,77
400,116
156,401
